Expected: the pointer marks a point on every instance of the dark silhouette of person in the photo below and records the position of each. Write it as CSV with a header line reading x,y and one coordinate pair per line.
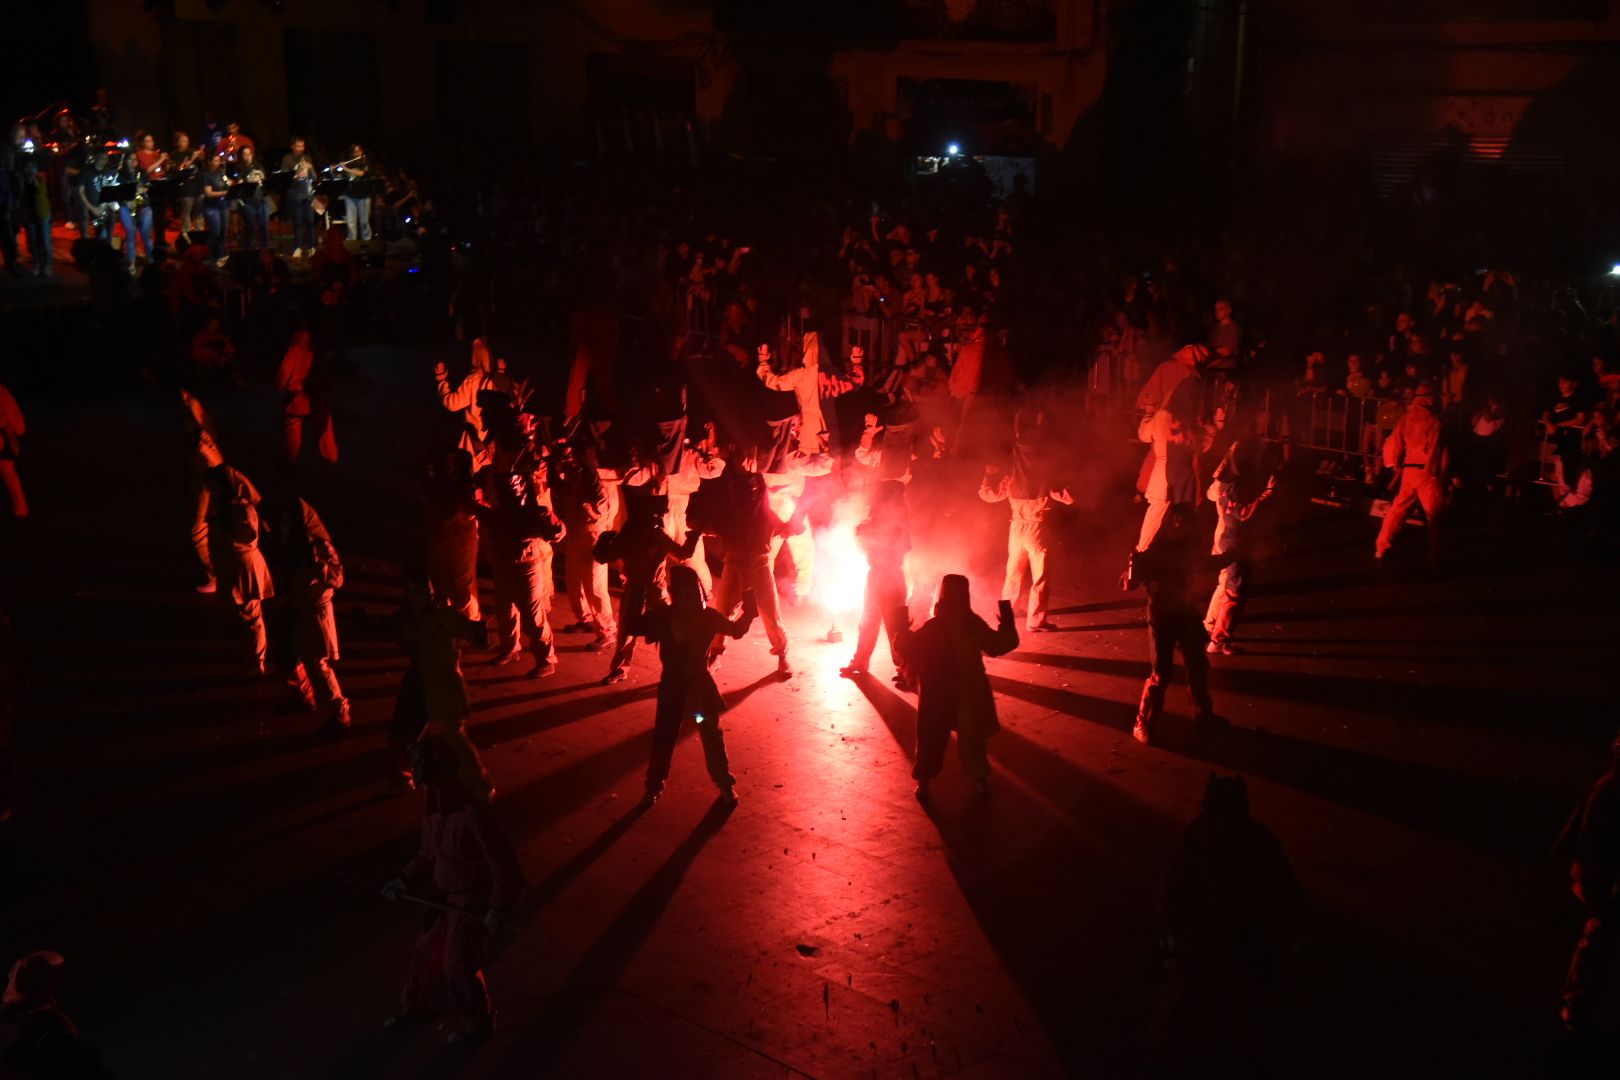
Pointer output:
x,y
885,537
470,864
1231,909
641,549
1591,843
1171,569
947,656
683,629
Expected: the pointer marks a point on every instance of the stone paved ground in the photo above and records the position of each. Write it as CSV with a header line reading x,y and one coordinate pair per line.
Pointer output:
x,y
212,871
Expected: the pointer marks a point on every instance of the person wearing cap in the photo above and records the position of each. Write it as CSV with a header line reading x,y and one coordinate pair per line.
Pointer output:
x,y
1417,453
946,654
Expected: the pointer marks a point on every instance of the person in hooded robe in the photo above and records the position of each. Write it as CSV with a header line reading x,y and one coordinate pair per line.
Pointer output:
x,y
469,865
225,533
310,571
885,537
946,655
1241,483
486,375
1591,843
516,518
804,383
1175,434
37,1037
1416,450
683,628
1170,569
642,549
746,529
1031,493
1231,910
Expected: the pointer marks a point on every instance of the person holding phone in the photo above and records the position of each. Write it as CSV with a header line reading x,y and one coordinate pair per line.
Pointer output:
x,y
946,655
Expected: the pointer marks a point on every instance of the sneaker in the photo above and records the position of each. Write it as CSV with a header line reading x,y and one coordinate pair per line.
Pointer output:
x,y
598,643
209,587
653,789
782,669
728,796
615,676
1220,648
1140,734
540,671
1043,627
849,671
505,658
298,253
576,628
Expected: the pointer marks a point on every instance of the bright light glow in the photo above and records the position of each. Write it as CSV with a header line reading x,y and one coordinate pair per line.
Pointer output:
x,y
952,150
1614,271
840,584
698,717
28,146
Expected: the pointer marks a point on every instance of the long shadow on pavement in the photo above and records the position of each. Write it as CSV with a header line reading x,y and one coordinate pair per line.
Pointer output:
x,y
598,972
1507,817
1062,885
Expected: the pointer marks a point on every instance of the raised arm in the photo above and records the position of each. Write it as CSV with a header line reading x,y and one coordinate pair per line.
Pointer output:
x,y
771,379
1004,638
463,396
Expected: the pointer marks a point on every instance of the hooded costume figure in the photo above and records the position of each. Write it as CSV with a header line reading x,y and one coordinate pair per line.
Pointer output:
x,y
1029,491
310,571
1237,492
1169,570
946,654
804,383
225,533
1230,906
516,519
885,537
675,471
37,1039
748,529
682,629
1417,453
487,374
642,549
466,863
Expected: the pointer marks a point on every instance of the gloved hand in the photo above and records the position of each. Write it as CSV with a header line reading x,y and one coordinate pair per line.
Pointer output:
x,y
394,888
1005,610
494,920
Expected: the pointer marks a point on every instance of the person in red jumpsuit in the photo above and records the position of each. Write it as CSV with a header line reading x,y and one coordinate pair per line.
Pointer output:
x,y
471,867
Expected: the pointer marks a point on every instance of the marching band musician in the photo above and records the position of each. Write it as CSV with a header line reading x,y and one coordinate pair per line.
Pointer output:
x,y
357,208
153,166
297,205
234,142
255,210
134,214
185,162
215,187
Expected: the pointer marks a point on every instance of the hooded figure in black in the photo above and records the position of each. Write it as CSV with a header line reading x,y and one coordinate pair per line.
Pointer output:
x,y
946,654
641,549
682,629
746,528
1171,569
1231,909
885,537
